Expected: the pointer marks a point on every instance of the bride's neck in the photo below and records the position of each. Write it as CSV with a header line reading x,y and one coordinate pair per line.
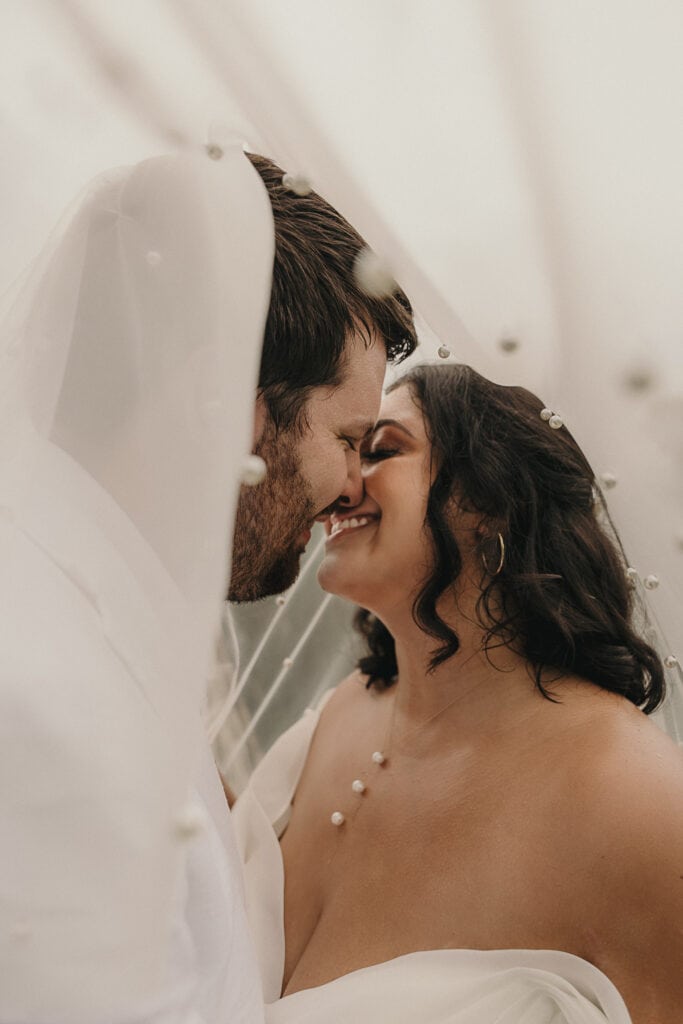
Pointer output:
x,y
473,692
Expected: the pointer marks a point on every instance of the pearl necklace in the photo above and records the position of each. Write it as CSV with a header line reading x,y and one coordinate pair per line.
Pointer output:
x,y
380,758
358,786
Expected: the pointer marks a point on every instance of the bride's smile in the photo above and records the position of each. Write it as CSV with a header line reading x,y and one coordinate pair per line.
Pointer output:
x,y
344,524
379,547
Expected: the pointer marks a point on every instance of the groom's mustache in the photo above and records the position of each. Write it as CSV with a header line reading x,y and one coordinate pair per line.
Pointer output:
x,y
336,506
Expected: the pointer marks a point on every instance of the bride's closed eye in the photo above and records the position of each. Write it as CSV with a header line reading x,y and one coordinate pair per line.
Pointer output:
x,y
378,454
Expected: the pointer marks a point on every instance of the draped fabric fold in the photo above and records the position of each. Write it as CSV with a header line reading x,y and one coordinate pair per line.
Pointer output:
x,y
127,372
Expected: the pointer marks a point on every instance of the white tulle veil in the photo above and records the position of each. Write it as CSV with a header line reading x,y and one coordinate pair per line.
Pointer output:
x,y
128,366
518,168
530,215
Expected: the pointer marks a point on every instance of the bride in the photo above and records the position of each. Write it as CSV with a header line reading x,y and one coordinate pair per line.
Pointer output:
x,y
481,823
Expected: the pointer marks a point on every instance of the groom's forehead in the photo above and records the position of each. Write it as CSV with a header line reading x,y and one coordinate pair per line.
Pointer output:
x,y
351,405
345,412
356,399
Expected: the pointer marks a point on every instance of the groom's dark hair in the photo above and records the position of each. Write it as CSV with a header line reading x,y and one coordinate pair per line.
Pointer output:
x,y
316,302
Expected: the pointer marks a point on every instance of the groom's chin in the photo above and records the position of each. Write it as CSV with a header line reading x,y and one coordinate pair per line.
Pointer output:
x,y
248,586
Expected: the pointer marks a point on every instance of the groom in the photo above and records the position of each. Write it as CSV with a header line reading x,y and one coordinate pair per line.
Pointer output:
x,y
325,351
87,819
324,357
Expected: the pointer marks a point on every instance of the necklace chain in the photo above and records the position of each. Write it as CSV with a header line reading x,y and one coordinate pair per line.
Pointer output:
x,y
381,758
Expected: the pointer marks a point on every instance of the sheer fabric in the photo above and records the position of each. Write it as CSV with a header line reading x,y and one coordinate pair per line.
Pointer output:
x,y
519,178
128,365
521,182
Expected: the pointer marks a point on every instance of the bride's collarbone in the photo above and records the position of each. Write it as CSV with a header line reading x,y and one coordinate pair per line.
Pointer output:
x,y
491,814
416,781
522,770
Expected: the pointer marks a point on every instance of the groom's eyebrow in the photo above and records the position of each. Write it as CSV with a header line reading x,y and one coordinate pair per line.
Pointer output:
x,y
360,429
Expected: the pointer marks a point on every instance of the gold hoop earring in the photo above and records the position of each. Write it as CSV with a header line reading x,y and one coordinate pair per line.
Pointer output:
x,y
501,560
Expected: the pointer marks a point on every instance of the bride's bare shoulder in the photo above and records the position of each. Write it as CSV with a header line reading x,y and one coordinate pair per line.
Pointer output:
x,y
351,710
627,804
351,695
622,767
632,751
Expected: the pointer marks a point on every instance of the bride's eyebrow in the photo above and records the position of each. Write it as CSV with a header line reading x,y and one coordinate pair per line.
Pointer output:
x,y
392,423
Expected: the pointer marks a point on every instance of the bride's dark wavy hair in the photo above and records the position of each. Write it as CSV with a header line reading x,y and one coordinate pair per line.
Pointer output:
x,y
562,597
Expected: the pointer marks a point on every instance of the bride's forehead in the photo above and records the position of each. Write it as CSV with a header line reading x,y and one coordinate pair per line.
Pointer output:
x,y
400,405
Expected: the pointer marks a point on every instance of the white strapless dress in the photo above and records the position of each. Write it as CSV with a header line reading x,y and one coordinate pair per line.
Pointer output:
x,y
445,986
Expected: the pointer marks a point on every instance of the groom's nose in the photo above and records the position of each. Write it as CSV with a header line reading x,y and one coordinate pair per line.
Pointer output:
x,y
352,493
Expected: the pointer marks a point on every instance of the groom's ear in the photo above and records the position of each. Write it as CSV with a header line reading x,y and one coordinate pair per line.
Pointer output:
x,y
260,416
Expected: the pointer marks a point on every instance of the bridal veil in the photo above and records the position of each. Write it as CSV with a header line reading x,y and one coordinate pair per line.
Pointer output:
x,y
517,167
128,365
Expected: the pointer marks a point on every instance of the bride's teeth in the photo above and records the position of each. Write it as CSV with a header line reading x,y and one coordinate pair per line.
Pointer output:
x,y
349,524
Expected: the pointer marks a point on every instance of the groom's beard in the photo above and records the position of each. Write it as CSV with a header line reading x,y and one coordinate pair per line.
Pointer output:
x,y
270,520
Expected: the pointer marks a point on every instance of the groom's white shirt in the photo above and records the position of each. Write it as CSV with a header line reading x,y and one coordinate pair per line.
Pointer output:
x,y
87,911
